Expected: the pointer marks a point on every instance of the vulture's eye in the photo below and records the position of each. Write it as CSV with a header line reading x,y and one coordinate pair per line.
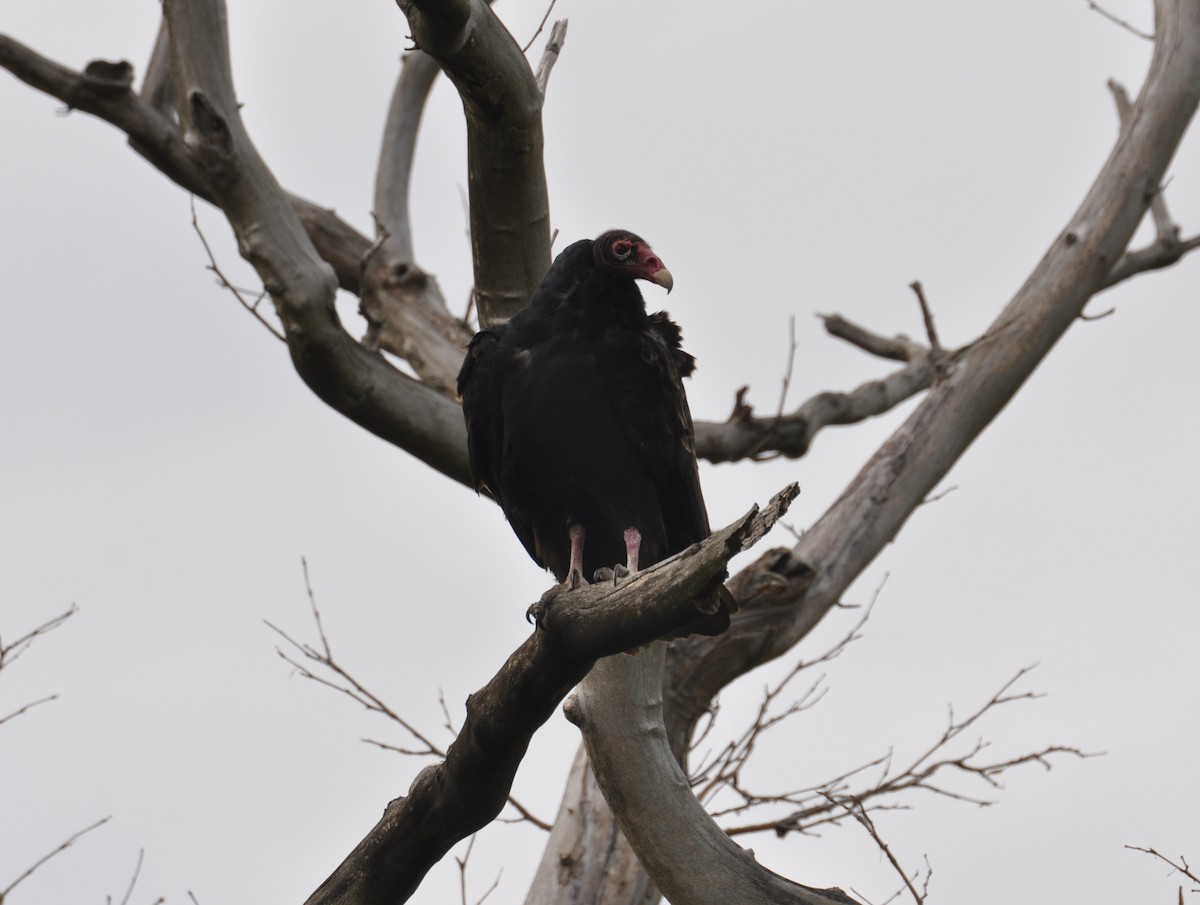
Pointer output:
x,y
621,250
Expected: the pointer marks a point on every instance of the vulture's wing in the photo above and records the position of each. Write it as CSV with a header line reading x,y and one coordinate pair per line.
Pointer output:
x,y
644,371
481,385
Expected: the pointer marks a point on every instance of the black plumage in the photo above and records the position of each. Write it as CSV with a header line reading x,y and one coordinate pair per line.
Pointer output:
x,y
577,419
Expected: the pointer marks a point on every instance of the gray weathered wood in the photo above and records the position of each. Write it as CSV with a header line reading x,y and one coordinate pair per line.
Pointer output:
x,y
791,590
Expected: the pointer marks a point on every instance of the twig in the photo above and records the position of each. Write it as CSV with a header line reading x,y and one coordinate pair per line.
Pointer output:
x,y
745,435
462,875
526,816
935,347
312,602
1084,316
541,25
4,719
344,683
921,773
1111,18
933,498
859,813
62,847
791,363
723,771
374,325
1182,867
9,652
212,265
783,392
137,869
352,687
449,723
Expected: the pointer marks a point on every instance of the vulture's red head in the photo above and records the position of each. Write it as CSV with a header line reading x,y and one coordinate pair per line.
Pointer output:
x,y
621,252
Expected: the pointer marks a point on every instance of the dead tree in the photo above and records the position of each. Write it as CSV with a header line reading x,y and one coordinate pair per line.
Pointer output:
x,y
639,709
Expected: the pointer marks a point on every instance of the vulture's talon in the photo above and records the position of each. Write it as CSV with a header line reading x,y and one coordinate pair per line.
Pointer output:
x,y
604,574
619,572
534,614
575,580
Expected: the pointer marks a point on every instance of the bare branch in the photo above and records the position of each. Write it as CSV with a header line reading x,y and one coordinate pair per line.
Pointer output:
x,y
744,435
351,688
791,364
16,713
156,138
935,347
541,25
451,800
920,773
344,683
526,816
462,876
1111,18
1182,867
62,847
137,869
897,348
858,812
252,307
1168,246
554,46
786,592
394,176
358,383
724,769
419,328
510,208
9,652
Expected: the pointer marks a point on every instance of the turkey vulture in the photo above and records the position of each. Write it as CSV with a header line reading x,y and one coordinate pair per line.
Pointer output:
x,y
577,420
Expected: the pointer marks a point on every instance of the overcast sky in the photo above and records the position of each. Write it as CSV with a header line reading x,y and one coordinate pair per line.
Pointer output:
x,y
165,469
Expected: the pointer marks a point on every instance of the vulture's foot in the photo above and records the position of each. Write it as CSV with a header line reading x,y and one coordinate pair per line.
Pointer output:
x,y
615,574
575,580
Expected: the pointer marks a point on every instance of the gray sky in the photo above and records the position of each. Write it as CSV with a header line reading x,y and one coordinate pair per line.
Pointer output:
x,y
165,469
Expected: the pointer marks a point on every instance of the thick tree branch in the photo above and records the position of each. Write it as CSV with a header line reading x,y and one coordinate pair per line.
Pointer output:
x,y
451,800
355,381
403,305
156,137
619,709
156,86
510,208
418,72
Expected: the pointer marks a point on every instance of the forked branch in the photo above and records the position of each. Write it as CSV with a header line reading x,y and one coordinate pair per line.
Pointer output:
x,y
450,800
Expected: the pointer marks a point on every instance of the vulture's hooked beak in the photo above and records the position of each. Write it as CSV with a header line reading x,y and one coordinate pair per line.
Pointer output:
x,y
663,277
